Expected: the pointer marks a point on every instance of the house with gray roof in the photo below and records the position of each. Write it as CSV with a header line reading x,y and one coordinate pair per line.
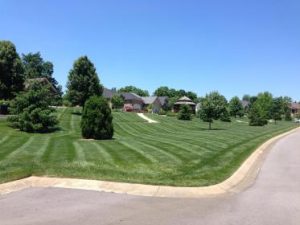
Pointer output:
x,y
153,102
132,102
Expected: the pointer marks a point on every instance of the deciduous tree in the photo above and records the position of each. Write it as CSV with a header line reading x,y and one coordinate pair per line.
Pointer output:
x,y
11,71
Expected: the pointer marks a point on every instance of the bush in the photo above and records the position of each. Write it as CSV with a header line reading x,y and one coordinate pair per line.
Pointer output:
x,y
185,113
96,119
171,114
31,111
162,112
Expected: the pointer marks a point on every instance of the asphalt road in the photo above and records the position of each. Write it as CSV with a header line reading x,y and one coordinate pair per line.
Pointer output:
x,y
274,199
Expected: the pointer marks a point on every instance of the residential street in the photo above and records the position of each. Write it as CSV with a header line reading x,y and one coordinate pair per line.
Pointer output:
x,y
274,199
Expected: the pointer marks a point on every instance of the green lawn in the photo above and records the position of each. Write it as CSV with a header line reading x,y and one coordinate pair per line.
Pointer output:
x,y
171,152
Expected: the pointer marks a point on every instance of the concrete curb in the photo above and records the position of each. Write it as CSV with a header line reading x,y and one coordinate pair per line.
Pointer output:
x,y
241,179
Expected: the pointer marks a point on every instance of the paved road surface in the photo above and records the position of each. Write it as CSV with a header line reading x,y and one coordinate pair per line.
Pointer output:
x,y
274,199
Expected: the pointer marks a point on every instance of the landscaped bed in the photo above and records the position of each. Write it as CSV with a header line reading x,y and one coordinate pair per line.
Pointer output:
x,y
171,152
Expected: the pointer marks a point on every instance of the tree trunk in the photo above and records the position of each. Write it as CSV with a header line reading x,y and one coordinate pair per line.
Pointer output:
x,y
210,125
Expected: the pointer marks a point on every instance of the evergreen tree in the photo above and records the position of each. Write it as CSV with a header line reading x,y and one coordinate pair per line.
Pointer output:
x,y
97,119
83,82
185,113
31,111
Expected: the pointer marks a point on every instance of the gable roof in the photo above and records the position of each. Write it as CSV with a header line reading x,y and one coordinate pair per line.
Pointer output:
x,y
185,101
295,105
131,96
149,100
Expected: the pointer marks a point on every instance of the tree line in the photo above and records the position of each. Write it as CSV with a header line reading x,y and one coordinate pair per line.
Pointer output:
x,y
32,112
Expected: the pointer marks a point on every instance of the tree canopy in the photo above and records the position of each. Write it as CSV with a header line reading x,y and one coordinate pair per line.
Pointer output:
x,y
173,93
236,107
11,71
83,82
213,106
36,67
133,89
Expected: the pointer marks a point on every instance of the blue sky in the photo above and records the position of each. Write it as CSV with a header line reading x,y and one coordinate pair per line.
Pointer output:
x,y
233,46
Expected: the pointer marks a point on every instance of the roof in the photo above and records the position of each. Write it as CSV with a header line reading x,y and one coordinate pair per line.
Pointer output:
x,y
184,98
163,100
185,101
149,100
131,96
245,103
107,93
295,105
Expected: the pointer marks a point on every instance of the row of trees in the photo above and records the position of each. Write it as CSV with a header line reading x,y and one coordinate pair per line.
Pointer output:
x,y
259,109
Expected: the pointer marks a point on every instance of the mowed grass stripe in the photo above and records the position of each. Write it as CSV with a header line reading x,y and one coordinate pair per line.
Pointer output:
x,y
171,152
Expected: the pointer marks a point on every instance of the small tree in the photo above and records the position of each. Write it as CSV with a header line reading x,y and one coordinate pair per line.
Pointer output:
x,y
97,119
276,110
236,107
31,110
185,113
83,82
257,115
117,102
213,106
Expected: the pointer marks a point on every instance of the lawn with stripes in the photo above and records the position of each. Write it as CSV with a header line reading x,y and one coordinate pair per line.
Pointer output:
x,y
171,152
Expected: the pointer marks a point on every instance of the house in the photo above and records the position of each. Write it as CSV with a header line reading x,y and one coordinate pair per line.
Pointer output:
x,y
164,102
184,101
134,100
152,101
245,104
295,108
108,94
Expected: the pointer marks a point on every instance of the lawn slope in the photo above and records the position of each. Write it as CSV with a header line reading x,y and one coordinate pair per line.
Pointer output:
x,y
171,152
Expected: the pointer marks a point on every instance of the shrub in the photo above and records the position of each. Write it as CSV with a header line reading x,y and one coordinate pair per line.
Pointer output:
x,y
185,113
171,114
31,111
96,119
162,112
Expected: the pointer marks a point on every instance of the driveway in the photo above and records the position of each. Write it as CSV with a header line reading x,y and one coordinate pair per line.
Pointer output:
x,y
274,199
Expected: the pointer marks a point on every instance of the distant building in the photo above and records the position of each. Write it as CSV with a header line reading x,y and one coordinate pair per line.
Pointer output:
x,y
295,108
155,103
134,100
184,101
108,94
